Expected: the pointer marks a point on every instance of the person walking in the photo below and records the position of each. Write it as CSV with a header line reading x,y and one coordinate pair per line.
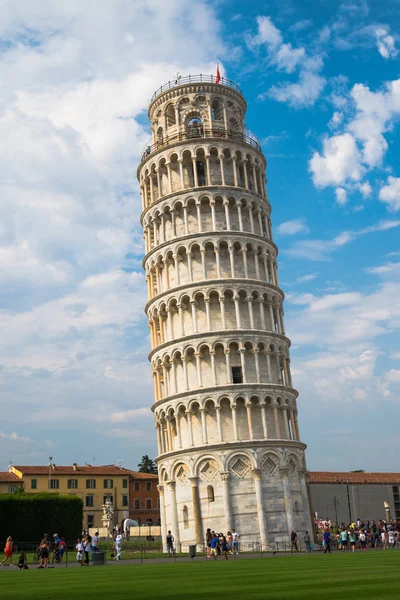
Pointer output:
x,y
343,535
327,540
8,551
117,545
214,546
235,541
208,543
170,544
307,542
79,551
293,541
352,538
44,550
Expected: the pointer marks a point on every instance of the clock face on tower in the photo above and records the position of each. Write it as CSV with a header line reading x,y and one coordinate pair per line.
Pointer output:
x,y
229,449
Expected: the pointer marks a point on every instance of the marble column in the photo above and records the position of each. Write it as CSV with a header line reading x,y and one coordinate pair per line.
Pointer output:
x,y
174,514
198,526
262,521
163,517
227,501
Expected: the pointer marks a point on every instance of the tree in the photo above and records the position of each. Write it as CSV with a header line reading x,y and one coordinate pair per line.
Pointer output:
x,y
147,465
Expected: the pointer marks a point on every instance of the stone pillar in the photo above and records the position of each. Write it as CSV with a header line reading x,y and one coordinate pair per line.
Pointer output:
x,y
174,514
204,425
235,177
287,495
190,428
249,420
264,419
198,526
306,501
163,517
219,424
234,424
227,501
262,521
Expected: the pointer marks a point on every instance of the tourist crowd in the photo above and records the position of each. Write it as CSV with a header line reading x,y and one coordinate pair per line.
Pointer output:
x,y
358,535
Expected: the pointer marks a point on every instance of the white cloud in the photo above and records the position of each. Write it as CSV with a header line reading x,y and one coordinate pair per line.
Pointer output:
x,y
336,120
384,269
310,84
267,33
292,227
301,94
306,278
393,375
339,161
341,196
365,189
385,43
70,239
317,250
390,193
346,157
131,415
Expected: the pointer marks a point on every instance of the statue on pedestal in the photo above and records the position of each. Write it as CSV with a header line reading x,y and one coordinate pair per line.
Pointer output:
x,y
108,515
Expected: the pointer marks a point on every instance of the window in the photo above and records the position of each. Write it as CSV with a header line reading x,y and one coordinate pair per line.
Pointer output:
x,y
201,174
90,484
12,489
72,484
54,484
110,498
90,521
185,517
124,483
148,503
136,504
89,501
108,484
125,500
33,484
137,486
237,376
210,493
148,486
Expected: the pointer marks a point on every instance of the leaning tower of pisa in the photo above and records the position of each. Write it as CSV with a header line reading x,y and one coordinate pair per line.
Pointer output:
x,y
229,449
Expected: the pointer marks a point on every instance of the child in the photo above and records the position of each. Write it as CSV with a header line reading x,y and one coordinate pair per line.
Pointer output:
x,y
22,561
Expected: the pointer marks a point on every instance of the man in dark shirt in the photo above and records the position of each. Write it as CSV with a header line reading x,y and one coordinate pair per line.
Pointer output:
x,y
170,543
293,540
327,540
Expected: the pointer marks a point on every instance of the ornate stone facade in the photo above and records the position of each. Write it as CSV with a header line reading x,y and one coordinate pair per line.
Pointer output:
x,y
230,454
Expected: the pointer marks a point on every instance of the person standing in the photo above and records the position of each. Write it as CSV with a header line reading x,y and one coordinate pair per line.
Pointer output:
x,y
307,542
229,541
170,543
293,541
79,552
95,542
235,541
8,550
86,547
327,539
44,550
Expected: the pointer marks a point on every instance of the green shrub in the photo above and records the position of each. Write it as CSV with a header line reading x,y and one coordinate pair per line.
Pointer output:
x,y
26,517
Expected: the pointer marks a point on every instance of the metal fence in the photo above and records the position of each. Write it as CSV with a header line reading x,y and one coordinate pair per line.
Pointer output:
x,y
194,79
199,132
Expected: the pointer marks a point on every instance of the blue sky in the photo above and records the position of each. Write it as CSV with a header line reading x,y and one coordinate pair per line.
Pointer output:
x,y
321,82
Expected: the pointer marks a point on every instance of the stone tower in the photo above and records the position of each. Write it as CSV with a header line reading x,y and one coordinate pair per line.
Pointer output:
x,y
229,449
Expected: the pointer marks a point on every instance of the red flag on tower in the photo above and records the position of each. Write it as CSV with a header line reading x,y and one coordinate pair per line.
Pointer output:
x,y
218,75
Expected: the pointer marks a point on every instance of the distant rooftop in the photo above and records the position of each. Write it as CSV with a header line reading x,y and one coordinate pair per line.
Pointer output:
x,y
194,79
361,478
80,470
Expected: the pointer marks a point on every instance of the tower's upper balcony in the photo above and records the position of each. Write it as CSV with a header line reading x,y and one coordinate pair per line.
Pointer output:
x,y
193,107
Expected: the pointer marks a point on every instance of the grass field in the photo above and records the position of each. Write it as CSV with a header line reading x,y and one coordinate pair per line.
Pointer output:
x,y
360,575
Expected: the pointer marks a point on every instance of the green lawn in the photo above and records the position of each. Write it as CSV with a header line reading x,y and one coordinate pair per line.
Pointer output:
x,y
360,575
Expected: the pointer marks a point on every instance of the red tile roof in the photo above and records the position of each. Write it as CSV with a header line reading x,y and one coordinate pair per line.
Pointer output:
x,y
82,470
6,477
361,478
